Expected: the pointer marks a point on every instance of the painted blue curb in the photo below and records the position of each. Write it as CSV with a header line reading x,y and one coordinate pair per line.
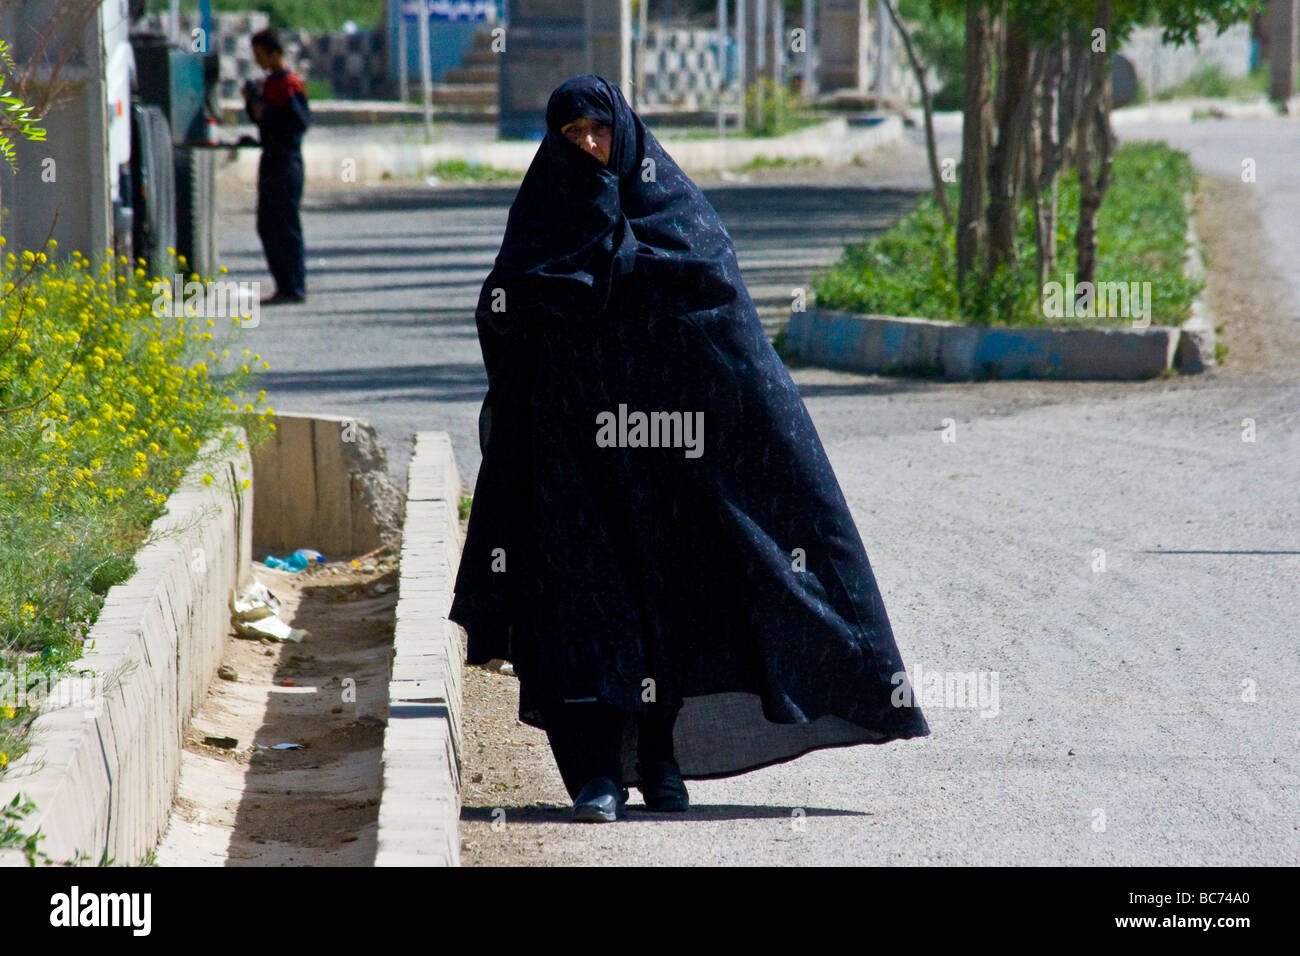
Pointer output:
x,y
889,345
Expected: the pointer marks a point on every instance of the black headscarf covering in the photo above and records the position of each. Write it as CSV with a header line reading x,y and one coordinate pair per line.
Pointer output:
x,y
578,225
567,239
732,583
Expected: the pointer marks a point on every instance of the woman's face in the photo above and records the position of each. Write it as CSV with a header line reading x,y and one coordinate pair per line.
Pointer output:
x,y
589,134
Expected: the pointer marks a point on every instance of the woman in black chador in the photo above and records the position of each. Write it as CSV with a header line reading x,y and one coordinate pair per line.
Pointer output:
x,y
657,541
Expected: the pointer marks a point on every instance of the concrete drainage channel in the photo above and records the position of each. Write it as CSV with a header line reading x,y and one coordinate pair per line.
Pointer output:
x,y
220,748
344,750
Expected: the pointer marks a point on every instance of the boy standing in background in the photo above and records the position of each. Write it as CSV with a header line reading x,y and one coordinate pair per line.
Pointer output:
x,y
278,105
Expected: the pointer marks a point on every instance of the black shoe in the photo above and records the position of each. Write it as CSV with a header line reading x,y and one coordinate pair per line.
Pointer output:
x,y
662,786
600,801
283,298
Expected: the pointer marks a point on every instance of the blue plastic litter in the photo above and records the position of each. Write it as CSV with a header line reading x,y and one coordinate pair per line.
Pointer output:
x,y
300,560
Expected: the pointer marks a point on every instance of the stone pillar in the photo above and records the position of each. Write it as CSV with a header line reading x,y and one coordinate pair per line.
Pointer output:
x,y
780,41
1284,50
757,44
548,41
844,42
807,62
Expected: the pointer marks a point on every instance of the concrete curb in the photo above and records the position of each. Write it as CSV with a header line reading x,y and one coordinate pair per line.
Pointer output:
x,y
419,810
835,143
1175,111
1196,351
103,768
908,346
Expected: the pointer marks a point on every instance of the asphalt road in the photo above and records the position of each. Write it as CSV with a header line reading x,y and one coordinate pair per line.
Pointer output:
x,y
1145,713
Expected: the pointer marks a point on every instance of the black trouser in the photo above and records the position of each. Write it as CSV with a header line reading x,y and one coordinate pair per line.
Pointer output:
x,y
279,191
587,740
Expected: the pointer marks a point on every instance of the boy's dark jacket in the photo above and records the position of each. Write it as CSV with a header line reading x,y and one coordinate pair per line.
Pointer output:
x,y
286,114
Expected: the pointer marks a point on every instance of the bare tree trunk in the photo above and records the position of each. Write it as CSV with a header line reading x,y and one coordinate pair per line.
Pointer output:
x,y
1076,52
1045,141
1034,154
1095,119
976,139
936,179
1014,93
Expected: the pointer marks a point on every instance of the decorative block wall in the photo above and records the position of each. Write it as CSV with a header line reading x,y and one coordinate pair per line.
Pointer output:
x,y
354,64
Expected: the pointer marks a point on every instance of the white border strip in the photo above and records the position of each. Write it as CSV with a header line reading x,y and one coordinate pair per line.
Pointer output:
x,y
419,810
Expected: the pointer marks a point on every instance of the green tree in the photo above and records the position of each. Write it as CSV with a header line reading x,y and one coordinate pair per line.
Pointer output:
x,y
1037,99
16,117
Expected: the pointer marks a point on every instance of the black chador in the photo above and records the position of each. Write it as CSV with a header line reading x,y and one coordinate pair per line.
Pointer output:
x,y
729,588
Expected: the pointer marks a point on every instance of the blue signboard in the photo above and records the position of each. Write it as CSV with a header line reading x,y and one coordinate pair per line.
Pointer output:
x,y
450,9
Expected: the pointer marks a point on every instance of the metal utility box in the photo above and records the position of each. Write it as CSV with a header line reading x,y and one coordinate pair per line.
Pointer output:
x,y
175,81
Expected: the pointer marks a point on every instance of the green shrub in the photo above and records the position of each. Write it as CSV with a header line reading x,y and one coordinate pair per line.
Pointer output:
x,y
780,110
1209,80
463,171
910,270
314,15
106,399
